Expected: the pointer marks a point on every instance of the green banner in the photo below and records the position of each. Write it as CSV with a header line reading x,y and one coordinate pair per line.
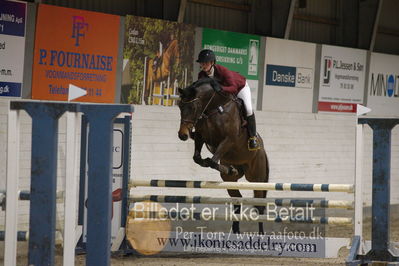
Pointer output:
x,y
236,51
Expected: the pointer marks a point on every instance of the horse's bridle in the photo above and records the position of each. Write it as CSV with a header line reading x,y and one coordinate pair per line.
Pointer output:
x,y
194,122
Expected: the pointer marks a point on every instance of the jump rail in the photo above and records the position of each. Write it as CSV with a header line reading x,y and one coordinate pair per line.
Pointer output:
x,y
349,188
23,236
342,204
151,215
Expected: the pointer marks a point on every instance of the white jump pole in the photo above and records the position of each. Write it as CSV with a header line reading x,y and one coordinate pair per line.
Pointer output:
x,y
360,110
144,81
358,182
13,133
71,188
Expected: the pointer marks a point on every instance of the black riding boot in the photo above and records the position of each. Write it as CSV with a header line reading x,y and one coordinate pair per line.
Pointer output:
x,y
253,142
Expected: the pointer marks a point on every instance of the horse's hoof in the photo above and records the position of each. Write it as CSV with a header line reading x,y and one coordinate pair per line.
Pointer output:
x,y
235,228
233,171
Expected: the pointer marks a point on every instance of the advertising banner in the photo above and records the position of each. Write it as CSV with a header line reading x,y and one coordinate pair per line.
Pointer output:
x,y
342,79
157,228
75,47
289,76
158,58
12,47
237,51
383,85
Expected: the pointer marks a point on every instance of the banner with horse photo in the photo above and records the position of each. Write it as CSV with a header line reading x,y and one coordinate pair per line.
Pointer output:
x,y
158,58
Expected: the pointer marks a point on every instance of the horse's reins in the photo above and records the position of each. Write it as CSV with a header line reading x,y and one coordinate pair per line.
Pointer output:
x,y
202,113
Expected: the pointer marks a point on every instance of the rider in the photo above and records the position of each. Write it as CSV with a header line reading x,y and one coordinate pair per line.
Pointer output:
x,y
231,82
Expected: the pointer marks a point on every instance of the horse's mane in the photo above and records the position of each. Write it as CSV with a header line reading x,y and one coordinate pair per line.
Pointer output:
x,y
190,90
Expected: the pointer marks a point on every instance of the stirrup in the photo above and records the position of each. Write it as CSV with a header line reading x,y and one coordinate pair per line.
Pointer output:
x,y
257,147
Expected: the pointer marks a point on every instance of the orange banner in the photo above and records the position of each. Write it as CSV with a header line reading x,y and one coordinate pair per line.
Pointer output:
x,y
75,47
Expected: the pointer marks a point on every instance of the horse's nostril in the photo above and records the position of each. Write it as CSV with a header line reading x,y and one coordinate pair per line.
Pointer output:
x,y
183,137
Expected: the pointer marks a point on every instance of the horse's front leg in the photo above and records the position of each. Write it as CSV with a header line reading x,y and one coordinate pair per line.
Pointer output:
x,y
221,150
198,144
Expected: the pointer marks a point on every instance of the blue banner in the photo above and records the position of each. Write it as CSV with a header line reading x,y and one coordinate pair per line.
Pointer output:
x,y
280,75
10,89
12,18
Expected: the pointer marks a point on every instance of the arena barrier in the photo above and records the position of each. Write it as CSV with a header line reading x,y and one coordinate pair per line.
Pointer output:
x,y
43,196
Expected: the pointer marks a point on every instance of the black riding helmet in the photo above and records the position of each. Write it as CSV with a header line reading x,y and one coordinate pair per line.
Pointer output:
x,y
206,55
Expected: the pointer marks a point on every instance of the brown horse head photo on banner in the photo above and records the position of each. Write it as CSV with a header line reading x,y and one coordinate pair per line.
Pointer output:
x,y
158,58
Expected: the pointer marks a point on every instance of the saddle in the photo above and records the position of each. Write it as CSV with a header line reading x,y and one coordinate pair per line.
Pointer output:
x,y
240,103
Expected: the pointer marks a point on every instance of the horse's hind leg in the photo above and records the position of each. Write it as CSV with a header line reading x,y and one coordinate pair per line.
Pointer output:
x,y
261,209
234,193
259,172
237,210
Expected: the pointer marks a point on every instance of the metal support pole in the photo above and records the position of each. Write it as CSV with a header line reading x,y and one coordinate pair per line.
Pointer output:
x,y
380,249
100,118
381,192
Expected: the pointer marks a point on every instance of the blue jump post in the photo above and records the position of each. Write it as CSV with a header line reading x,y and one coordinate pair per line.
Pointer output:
x,y
99,198
380,243
42,222
43,196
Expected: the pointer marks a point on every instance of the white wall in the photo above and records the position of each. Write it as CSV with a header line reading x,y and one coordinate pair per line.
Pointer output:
x,y
302,148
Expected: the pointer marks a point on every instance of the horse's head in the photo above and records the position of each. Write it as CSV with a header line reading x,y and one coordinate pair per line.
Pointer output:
x,y
193,102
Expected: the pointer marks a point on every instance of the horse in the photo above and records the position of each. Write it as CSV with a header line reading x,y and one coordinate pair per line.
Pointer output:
x,y
213,117
158,70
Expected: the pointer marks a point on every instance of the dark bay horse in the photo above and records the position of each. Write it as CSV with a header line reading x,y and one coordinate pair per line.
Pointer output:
x,y
215,116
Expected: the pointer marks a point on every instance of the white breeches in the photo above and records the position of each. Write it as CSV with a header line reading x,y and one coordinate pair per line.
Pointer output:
x,y
245,95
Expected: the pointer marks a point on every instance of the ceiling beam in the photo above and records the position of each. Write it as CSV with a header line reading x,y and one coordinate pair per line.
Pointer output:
x,y
375,27
289,19
388,31
182,11
316,19
217,3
